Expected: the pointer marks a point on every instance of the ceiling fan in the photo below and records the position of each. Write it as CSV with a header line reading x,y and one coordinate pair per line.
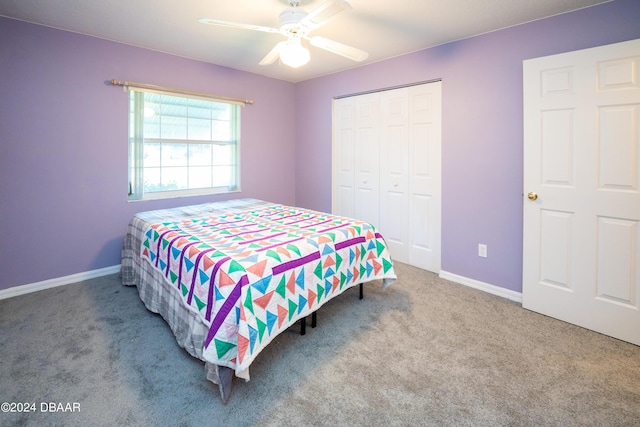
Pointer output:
x,y
296,24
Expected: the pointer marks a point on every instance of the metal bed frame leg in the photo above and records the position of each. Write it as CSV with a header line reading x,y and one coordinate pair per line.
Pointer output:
x,y
303,323
314,317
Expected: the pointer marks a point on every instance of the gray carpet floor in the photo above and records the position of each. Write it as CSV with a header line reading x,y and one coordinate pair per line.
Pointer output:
x,y
424,351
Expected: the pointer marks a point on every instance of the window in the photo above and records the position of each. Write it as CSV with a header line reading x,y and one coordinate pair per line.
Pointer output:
x,y
181,146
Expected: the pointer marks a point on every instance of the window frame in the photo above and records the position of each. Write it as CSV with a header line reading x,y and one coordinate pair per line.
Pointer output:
x,y
136,142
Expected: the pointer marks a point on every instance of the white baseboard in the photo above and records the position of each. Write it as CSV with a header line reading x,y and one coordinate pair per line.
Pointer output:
x,y
476,284
60,281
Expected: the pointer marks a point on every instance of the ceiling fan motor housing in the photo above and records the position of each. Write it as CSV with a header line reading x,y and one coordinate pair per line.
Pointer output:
x,y
290,20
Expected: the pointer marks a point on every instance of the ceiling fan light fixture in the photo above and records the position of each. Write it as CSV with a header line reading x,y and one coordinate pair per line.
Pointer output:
x,y
294,54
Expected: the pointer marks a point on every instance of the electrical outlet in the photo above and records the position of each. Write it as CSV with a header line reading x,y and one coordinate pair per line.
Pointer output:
x,y
482,250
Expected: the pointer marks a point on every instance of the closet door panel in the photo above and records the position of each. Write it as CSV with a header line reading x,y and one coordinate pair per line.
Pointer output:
x,y
394,178
367,159
343,198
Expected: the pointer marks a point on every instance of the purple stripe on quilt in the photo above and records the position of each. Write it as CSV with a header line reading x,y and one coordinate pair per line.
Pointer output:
x,y
285,266
166,272
195,273
227,306
350,242
182,254
212,286
159,243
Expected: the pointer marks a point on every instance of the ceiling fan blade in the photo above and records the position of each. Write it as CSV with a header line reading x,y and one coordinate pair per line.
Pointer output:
x,y
273,54
230,24
324,12
341,49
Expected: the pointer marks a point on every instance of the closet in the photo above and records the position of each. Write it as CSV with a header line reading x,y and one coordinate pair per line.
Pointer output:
x,y
387,167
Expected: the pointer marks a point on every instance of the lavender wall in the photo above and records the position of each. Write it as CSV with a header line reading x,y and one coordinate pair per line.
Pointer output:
x,y
63,145
481,129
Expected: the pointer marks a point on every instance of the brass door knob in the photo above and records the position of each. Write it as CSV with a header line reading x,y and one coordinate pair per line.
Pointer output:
x,y
532,196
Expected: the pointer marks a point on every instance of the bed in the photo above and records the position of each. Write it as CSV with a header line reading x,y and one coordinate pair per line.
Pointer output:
x,y
228,277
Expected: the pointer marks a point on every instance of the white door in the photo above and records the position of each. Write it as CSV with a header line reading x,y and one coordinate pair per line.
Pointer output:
x,y
344,157
425,159
367,149
410,183
581,240
394,172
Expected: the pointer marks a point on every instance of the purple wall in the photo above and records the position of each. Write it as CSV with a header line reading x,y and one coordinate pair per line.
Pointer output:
x,y
63,145
481,129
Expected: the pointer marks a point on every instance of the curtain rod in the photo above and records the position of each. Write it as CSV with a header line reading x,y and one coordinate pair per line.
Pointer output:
x,y
241,101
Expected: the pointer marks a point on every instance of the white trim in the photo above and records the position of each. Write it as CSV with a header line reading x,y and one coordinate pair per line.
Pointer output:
x,y
486,287
60,281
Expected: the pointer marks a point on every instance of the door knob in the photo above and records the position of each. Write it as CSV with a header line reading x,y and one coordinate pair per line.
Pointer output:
x,y
532,196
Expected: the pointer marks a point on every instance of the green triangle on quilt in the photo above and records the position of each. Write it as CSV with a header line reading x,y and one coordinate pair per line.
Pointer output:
x,y
343,278
363,252
261,328
362,270
248,301
204,245
380,246
173,276
165,243
147,244
338,261
235,266
271,320
184,289
318,270
222,347
321,291
358,228
292,309
199,303
281,289
273,254
294,248
386,265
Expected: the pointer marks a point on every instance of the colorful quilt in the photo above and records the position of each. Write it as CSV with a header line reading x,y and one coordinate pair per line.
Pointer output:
x,y
250,275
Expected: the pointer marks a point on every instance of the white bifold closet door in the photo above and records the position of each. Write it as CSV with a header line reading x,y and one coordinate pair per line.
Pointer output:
x,y
387,155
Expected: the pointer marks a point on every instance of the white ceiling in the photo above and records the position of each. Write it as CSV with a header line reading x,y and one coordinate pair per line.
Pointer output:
x,y
384,28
